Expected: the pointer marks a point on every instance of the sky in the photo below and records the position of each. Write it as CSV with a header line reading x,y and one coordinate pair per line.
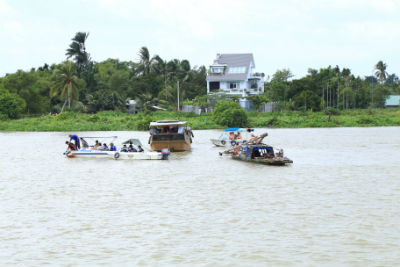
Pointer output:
x,y
286,34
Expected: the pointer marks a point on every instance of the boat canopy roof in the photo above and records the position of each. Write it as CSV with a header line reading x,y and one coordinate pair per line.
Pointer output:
x,y
168,123
238,130
134,141
99,137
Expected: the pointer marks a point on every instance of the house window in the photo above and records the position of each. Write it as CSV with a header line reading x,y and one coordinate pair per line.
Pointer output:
x,y
233,85
217,69
233,70
214,86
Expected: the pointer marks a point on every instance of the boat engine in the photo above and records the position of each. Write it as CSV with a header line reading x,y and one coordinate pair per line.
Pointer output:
x,y
165,153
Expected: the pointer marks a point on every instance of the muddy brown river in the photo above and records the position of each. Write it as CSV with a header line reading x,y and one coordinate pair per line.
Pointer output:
x,y
337,205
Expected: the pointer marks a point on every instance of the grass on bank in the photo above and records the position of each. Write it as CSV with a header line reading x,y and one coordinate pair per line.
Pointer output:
x,y
114,121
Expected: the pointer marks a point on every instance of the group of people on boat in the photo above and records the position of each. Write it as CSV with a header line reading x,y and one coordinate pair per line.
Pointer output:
x,y
75,144
235,136
166,129
131,148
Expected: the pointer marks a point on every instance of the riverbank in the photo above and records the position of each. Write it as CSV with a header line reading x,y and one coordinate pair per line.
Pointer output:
x,y
112,121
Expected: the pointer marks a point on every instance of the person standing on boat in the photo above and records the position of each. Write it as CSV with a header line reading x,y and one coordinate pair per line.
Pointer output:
x,y
76,140
140,149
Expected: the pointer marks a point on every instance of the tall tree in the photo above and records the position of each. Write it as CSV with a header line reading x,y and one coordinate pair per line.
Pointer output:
x,y
66,83
381,72
77,50
146,61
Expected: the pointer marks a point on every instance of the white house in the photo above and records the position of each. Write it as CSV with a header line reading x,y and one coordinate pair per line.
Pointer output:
x,y
233,74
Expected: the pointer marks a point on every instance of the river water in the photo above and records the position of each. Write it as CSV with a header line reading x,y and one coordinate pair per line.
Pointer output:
x,y
337,205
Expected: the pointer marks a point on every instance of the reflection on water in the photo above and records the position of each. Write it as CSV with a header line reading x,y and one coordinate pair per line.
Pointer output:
x,y
337,205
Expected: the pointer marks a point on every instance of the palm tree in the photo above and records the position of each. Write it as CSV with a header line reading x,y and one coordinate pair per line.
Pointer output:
x,y
77,49
66,83
146,62
381,73
148,101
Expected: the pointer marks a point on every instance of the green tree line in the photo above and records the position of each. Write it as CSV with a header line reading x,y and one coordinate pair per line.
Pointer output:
x,y
83,85
332,87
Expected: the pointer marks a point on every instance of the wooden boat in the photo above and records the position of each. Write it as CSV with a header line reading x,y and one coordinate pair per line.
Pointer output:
x,y
171,134
258,152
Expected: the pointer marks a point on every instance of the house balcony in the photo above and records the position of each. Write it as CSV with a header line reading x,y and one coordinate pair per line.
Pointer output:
x,y
242,91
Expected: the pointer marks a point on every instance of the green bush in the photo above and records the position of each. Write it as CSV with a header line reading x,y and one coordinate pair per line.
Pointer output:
x,y
229,113
143,123
66,115
3,117
365,120
11,105
332,111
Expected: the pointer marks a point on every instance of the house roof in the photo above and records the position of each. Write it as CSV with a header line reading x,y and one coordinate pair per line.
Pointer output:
x,y
167,123
232,60
393,100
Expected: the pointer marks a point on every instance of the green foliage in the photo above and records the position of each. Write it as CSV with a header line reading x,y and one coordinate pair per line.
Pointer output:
x,y
229,113
110,120
97,86
66,83
258,100
332,111
307,100
11,105
143,122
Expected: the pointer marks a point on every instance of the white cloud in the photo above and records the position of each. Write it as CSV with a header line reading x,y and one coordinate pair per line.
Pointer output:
x,y
374,30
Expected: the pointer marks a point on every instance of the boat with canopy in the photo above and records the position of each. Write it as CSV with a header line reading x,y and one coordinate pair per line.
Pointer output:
x,y
256,151
94,152
232,136
170,134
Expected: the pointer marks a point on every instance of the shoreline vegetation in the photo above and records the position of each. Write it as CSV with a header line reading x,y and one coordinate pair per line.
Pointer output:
x,y
115,121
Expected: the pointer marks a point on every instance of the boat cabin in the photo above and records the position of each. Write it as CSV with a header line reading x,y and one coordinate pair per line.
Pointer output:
x,y
172,134
257,151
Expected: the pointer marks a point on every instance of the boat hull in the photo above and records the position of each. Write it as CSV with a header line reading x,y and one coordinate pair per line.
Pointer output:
x,y
174,146
137,155
88,154
276,161
116,155
219,143
225,143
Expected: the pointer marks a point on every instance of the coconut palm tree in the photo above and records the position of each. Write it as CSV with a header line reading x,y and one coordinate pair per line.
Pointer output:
x,y
77,49
66,83
381,72
146,62
148,101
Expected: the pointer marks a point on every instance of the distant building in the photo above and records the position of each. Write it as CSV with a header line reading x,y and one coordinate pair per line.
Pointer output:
x,y
233,74
132,106
393,101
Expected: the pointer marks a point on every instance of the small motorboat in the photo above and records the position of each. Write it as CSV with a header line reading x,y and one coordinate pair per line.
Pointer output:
x,y
122,154
258,152
144,155
232,137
